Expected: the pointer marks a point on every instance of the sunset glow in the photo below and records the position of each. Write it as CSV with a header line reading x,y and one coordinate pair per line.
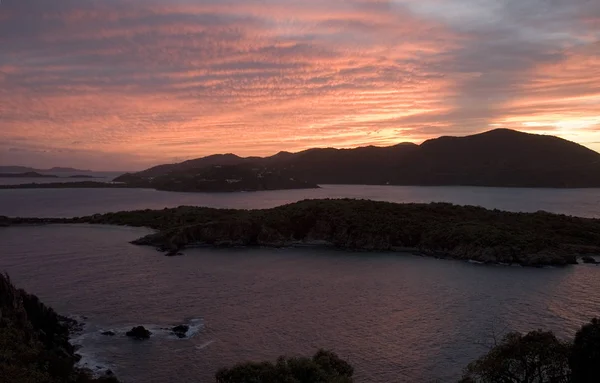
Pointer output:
x,y
126,84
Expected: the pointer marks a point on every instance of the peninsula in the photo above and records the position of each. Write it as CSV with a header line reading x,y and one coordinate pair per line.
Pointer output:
x,y
437,229
217,178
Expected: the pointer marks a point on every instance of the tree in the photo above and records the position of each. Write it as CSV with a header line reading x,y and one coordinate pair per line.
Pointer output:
x,y
585,357
537,357
323,367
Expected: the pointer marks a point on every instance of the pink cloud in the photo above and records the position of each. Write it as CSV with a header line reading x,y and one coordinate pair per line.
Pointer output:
x,y
145,81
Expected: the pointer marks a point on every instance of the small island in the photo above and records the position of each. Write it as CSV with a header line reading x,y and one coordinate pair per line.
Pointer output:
x,y
437,229
40,175
217,178
83,176
27,175
68,185
25,169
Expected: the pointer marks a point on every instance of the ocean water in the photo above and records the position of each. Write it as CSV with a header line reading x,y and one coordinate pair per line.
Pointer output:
x,y
79,202
396,318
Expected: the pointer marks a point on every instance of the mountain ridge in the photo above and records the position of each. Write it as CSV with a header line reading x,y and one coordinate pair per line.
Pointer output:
x,y
499,157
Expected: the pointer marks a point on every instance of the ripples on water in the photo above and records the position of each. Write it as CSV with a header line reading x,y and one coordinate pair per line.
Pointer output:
x,y
397,318
79,202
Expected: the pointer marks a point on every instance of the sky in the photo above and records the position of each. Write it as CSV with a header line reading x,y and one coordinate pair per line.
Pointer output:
x,y
126,84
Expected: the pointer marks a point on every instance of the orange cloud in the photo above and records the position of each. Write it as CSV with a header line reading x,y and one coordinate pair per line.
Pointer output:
x,y
144,82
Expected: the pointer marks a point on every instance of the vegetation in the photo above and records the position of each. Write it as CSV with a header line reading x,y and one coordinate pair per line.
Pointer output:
x,y
436,229
34,345
218,178
536,357
34,348
585,355
323,367
539,357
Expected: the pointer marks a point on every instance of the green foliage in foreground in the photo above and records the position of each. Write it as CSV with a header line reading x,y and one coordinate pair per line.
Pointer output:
x,y
34,346
585,356
536,357
323,367
539,357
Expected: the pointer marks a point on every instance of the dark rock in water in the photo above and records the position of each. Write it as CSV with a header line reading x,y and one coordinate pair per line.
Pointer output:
x,y
180,330
588,259
139,332
173,253
109,333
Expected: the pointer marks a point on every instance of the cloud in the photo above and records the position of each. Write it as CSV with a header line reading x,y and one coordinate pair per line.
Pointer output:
x,y
143,81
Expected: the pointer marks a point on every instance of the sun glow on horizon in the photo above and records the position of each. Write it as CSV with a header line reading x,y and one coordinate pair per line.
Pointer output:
x,y
129,84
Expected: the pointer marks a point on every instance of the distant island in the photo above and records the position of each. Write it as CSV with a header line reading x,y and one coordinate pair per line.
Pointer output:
x,y
497,158
437,229
501,157
26,169
27,175
40,175
68,185
217,178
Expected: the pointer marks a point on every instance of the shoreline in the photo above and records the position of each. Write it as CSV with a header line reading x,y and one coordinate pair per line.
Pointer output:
x,y
118,185
436,230
39,342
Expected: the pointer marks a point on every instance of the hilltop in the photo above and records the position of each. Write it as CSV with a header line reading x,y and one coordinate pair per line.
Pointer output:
x,y
500,157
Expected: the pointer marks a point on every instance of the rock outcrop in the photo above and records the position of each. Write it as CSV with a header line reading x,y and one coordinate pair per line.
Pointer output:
x,y
590,260
139,333
180,331
34,341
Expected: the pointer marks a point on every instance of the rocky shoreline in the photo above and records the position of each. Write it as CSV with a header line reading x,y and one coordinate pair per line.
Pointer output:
x,y
34,340
438,230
